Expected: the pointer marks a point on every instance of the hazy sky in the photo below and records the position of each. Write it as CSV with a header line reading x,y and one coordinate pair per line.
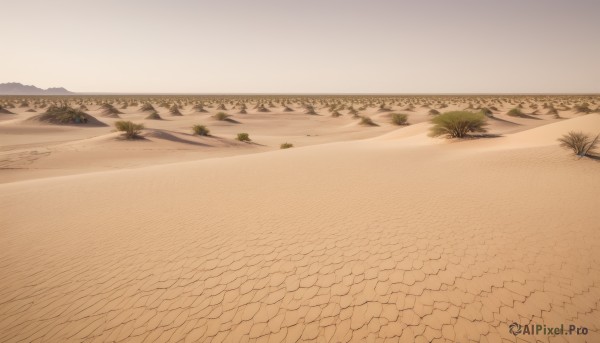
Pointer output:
x,y
303,46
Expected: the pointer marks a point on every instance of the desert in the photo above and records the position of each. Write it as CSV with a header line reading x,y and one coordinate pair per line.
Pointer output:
x,y
358,232
300,171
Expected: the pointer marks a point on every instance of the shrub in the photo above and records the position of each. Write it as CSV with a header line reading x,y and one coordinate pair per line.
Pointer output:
x,y
516,112
174,110
458,124
147,107
400,119
367,121
221,116
286,145
3,110
433,112
243,137
583,108
64,114
154,115
579,142
131,130
200,130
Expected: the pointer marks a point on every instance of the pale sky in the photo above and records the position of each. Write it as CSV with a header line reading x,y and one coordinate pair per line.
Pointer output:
x,y
303,46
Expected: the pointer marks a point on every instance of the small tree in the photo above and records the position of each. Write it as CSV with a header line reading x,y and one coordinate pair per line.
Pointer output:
x,y
200,130
579,142
243,137
457,124
400,119
131,130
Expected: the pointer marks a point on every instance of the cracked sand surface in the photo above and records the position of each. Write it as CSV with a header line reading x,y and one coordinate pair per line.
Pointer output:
x,y
356,241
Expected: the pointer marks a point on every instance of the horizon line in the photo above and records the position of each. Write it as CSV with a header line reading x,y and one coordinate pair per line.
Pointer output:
x,y
307,93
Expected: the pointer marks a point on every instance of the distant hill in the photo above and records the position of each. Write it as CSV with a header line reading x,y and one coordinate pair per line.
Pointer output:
x,y
15,88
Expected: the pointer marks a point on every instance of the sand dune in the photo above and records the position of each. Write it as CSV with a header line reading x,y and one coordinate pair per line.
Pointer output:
x,y
401,237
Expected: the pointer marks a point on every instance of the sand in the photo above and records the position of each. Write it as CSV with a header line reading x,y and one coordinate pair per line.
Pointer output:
x,y
355,234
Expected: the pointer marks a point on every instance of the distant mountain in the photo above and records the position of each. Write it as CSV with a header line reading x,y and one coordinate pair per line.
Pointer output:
x,y
15,88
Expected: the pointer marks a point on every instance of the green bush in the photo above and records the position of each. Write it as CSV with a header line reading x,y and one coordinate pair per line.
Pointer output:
x,y
286,145
243,137
131,130
458,124
200,130
64,114
579,142
221,116
516,112
399,119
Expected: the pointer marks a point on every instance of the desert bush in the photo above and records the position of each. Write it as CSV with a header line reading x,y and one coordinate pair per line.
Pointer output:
x,y
516,112
174,110
433,112
583,108
399,119
147,107
199,108
200,130
243,137
221,116
64,114
262,108
109,110
458,124
286,145
130,129
154,115
5,111
581,143
364,120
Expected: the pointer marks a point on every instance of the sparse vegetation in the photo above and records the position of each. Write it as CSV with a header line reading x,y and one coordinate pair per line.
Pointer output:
x,y
200,130
174,110
399,119
154,115
458,124
286,145
130,129
64,114
364,120
516,112
243,137
222,116
580,143
147,107
5,111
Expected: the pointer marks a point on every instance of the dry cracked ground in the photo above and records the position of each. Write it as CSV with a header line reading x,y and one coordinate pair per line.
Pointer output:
x,y
325,261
